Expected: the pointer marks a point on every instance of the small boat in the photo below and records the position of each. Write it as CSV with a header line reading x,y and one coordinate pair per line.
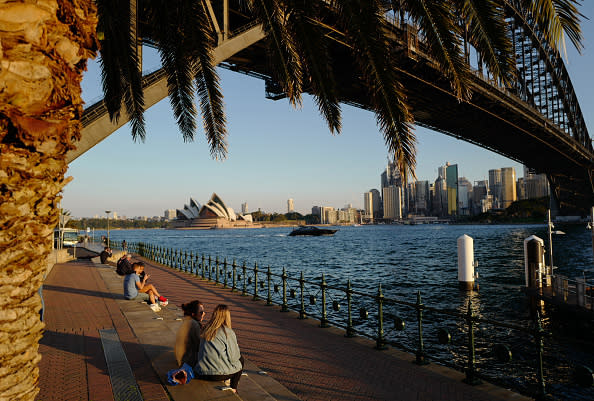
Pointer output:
x,y
311,230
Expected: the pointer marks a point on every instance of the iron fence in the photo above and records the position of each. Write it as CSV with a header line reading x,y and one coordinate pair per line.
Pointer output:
x,y
461,339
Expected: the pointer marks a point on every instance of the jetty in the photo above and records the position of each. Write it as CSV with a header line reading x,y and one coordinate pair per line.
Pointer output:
x,y
99,346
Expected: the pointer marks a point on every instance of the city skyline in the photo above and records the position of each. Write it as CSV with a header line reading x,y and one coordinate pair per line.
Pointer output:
x,y
275,152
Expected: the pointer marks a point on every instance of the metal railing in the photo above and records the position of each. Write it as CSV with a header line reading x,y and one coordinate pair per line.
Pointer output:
x,y
461,339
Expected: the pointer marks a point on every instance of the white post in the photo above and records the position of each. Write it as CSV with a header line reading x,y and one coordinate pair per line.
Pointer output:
x,y
465,262
551,226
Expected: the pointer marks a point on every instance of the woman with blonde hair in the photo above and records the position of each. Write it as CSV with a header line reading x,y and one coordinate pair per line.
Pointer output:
x,y
219,358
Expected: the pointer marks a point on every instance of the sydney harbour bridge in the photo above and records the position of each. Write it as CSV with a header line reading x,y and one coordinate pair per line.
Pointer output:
x,y
536,121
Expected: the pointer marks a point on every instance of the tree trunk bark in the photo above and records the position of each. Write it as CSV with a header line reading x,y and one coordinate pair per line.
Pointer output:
x,y
44,47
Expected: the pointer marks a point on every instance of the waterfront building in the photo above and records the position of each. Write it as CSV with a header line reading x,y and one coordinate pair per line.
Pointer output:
x,y
214,214
169,214
244,208
508,186
392,202
290,205
317,211
495,186
328,215
521,189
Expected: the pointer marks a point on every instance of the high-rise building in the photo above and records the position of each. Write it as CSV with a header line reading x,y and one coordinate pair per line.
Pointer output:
x,y
495,186
329,215
169,214
290,206
480,190
508,186
535,185
452,188
392,202
418,198
368,205
317,211
244,208
378,206
464,196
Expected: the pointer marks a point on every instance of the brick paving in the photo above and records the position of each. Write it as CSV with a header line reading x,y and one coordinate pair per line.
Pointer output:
x,y
77,306
313,363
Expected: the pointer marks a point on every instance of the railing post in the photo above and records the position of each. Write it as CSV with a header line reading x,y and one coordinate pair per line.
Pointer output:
x,y
244,269
324,319
202,266
217,267
209,268
268,278
302,314
196,264
234,266
380,342
541,393
471,370
255,281
420,355
225,272
284,307
350,331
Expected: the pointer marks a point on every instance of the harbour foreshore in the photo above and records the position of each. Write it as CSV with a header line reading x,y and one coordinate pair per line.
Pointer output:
x,y
287,358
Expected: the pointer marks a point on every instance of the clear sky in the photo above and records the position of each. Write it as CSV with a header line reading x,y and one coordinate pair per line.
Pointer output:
x,y
275,152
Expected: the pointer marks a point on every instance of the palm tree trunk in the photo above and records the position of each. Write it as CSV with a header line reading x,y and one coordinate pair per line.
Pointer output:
x,y
43,51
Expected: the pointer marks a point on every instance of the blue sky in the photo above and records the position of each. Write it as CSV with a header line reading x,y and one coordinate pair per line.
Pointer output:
x,y
275,152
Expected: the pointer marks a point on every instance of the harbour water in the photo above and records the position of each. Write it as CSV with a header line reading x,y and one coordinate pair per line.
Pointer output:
x,y
408,259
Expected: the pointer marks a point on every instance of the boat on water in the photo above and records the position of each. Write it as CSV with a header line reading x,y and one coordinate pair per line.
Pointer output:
x,y
311,230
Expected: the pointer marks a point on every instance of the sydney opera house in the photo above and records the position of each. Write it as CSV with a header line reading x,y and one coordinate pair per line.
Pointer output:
x,y
213,214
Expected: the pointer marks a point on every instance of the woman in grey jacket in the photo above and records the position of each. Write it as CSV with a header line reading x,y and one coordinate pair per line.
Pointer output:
x,y
219,357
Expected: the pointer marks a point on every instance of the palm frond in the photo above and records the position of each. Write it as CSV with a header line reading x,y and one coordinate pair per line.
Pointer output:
x,y
177,61
285,60
120,73
365,27
556,17
312,47
437,21
487,32
209,91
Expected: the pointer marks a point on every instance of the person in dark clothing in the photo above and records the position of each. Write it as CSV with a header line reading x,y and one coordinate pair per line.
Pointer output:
x,y
124,265
106,254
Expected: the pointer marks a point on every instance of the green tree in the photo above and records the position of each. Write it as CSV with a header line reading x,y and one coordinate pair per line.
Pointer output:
x,y
45,55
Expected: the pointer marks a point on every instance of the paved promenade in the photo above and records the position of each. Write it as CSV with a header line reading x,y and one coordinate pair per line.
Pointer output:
x,y
82,298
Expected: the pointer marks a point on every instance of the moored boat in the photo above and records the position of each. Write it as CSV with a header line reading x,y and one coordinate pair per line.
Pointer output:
x,y
311,230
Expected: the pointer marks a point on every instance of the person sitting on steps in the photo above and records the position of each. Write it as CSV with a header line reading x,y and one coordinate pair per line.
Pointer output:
x,y
219,358
135,285
187,341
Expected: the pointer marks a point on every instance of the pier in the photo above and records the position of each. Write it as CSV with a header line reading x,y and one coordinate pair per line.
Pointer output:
x,y
287,358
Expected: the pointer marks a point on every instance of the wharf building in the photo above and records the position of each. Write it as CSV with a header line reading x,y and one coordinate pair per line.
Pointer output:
x,y
213,214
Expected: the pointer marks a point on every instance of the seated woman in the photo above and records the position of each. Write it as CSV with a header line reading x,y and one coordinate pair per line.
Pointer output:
x,y
187,342
219,358
133,285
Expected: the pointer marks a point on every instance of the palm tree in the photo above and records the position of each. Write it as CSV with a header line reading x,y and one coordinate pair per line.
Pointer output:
x,y
44,51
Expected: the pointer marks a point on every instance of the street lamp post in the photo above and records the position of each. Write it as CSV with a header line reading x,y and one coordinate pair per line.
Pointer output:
x,y
108,212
